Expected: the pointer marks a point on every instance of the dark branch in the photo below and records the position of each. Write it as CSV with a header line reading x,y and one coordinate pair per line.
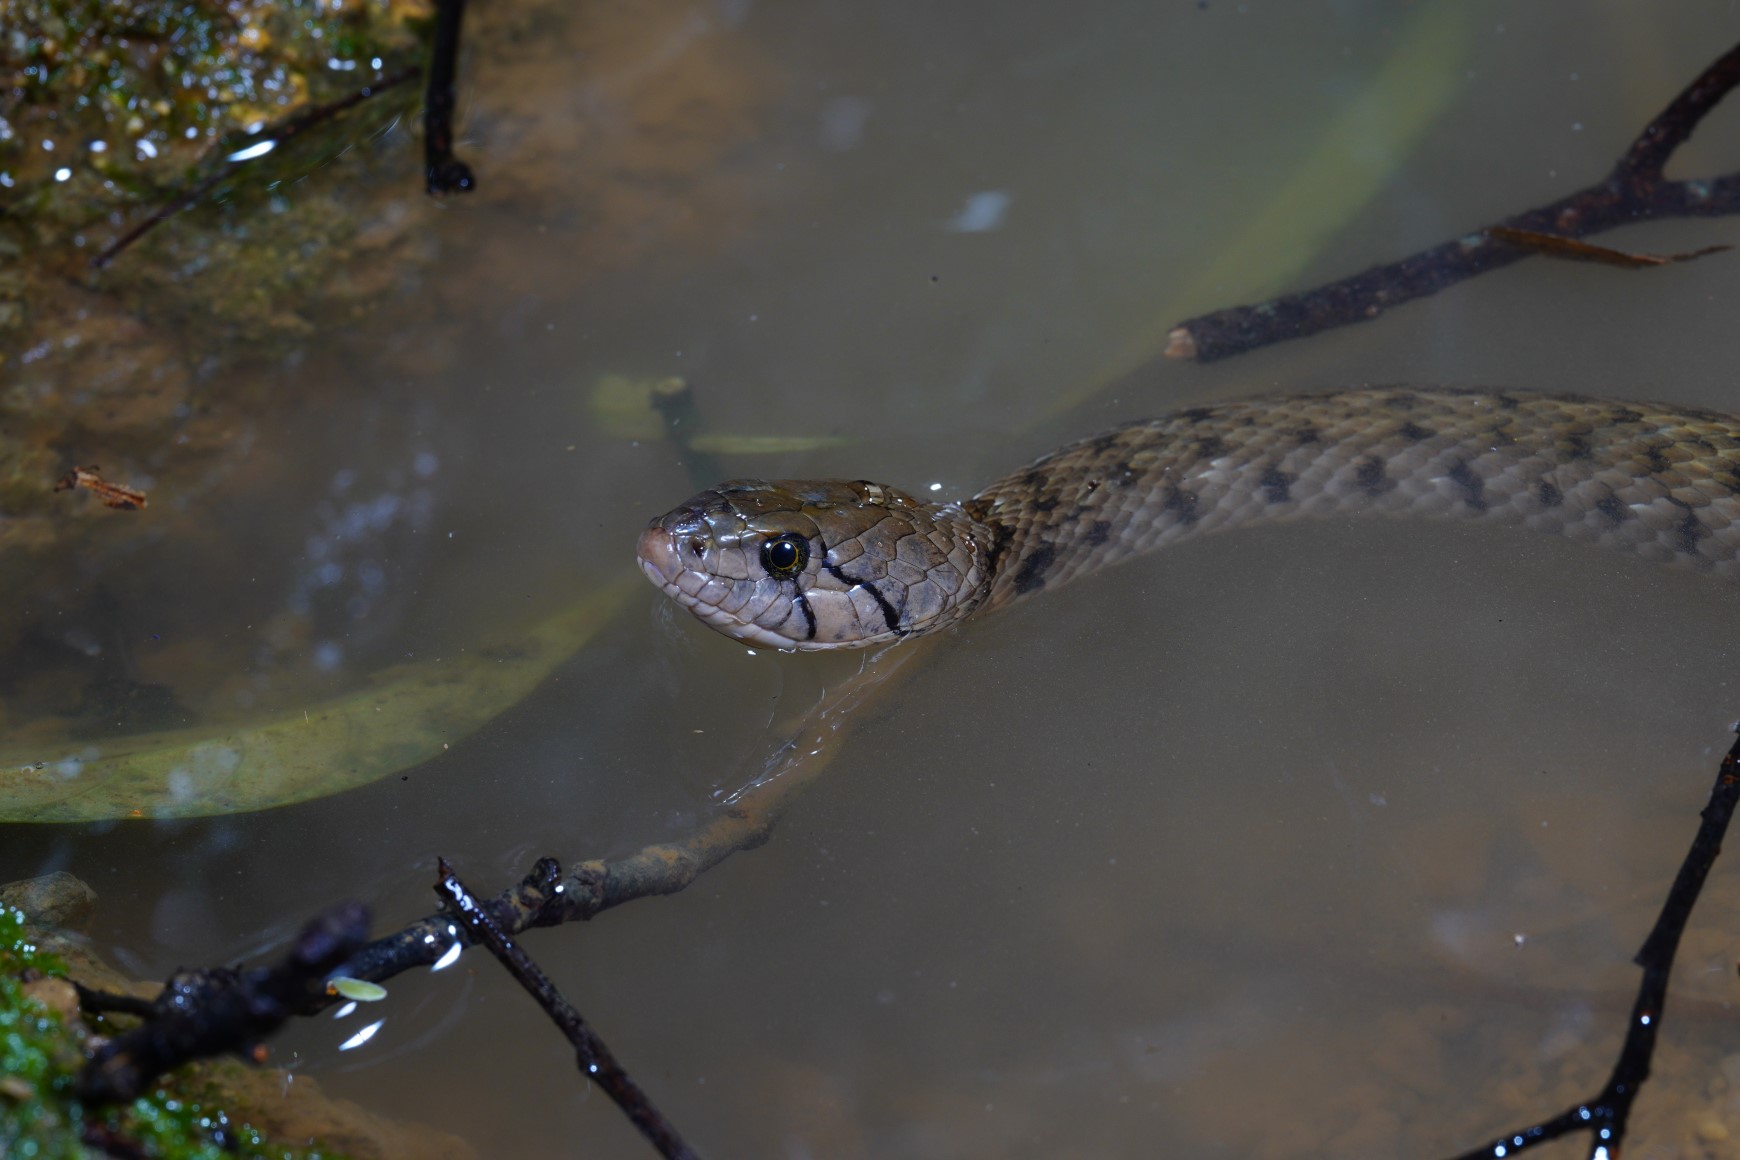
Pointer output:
x,y
1605,1116
595,1059
211,1012
1634,191
446,173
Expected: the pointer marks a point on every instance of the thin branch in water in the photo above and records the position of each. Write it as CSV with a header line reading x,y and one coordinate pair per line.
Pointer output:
x,y
547,897
239,153
445,173
674,400
212,1012
1606,1116
595,1059
1635,191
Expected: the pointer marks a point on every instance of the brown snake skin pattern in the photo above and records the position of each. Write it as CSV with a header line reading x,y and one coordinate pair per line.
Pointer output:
x,y
1659,480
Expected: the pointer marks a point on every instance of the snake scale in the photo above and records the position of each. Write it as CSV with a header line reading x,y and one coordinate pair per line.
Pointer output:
x,y
799,564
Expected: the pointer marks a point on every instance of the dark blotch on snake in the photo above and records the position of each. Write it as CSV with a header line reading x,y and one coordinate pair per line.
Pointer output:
x,y
1473,487
1613,508
1277,486
1415,433
1370,477
1182,504
1210,447
1031,574
1098,532
1549,494
1690,529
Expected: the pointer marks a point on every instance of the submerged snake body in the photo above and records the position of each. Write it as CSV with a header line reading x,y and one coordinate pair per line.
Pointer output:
x,y
810,565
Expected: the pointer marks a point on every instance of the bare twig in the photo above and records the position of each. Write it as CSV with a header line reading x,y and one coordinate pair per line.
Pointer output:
x,y
1605,1116
595,1059
1635,191
239,153
113,495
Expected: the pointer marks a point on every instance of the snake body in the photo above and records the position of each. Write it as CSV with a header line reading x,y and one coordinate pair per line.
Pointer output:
x,y
817,564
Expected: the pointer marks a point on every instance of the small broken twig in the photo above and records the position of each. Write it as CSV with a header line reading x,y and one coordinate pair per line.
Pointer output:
x,y
1605,1116
112,494
596,1060
1635,191
445,172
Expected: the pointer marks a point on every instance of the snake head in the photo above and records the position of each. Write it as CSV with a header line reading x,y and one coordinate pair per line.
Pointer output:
x,y
808,564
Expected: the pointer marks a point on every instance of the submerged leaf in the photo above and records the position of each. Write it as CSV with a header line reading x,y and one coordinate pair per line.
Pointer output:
x,y
727,444
407,714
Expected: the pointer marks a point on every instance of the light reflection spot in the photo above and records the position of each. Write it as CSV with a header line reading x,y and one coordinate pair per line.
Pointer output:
x,y
982,212
361,1037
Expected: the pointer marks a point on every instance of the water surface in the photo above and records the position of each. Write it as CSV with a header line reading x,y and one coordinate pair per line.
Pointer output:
x,y
1326,840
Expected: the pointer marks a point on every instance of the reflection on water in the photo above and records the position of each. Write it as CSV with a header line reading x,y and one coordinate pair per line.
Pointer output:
x,y
1316,841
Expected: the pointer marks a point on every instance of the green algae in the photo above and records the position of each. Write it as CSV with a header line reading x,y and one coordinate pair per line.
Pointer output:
x,y
105,104
40,1056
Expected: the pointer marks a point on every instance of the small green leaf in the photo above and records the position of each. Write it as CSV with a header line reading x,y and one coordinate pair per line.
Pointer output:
x,y
360,990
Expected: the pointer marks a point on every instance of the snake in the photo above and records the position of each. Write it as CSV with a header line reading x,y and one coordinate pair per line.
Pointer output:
x,y
827,564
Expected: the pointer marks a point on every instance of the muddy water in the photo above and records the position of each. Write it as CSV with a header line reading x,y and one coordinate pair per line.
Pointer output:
x,y
1329,840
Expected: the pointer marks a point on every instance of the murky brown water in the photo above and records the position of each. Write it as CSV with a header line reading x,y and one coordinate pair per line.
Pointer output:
x,y
1311,841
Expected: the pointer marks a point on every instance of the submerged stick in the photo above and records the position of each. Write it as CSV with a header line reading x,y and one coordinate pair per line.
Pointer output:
x,y
254,146
548,897
1634,191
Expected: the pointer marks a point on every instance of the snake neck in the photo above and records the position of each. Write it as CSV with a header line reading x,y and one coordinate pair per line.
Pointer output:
x,y
1660,481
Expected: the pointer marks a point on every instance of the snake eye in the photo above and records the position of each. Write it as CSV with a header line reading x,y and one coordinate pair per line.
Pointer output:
x,y
785,556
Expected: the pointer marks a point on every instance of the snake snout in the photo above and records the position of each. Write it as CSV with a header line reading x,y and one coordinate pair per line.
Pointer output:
x,y
660,557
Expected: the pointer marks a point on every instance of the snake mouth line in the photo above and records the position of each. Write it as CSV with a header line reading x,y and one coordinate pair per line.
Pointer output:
x,y
715,619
